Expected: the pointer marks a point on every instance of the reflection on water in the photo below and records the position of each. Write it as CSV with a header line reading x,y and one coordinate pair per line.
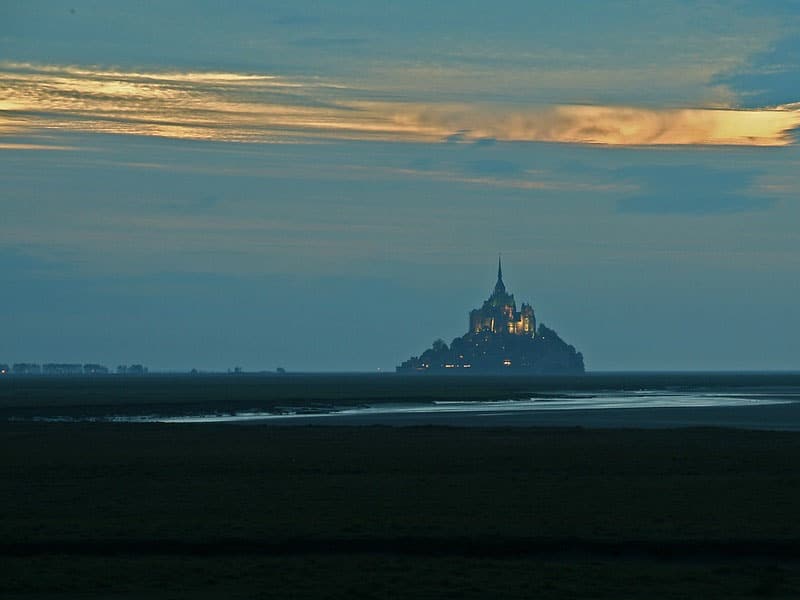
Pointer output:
x,y
564,402
744,400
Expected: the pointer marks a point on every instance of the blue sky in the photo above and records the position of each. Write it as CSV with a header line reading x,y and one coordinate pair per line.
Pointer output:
x,y
326,186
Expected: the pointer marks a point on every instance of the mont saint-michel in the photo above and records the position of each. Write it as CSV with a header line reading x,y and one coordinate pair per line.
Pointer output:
x,y
501,339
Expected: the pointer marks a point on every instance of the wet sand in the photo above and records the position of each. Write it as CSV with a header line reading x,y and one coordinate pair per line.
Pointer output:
x,y
768,417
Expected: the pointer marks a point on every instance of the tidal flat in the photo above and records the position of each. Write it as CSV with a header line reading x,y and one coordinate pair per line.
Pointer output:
x,y
212,510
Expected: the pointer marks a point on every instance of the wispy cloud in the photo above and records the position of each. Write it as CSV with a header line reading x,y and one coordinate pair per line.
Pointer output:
x,y
239,107
693,190
26,146
770,77
613,125
522,180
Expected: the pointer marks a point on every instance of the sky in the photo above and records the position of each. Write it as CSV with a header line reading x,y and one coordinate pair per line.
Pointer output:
x,y
327,186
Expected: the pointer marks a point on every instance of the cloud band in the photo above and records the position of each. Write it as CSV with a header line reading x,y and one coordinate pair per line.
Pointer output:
x,y
238,107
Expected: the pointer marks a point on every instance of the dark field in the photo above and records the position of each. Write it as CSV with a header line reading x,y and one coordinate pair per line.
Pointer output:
x,y
220,511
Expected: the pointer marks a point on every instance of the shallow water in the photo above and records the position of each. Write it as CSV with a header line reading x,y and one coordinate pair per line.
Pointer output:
x,y
631,400
759,401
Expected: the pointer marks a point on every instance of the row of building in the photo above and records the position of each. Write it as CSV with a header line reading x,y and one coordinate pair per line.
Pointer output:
x,y
68,369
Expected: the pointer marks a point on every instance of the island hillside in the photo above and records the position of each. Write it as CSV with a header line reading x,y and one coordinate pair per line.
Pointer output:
x,y
500,339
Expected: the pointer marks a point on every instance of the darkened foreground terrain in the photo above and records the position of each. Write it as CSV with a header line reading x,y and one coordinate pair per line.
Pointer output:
x,y
226,511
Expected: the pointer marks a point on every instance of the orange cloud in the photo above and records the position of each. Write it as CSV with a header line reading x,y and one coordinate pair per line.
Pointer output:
x,y
610,125
267,109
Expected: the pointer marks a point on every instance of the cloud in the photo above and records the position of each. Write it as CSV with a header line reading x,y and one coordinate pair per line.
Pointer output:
x,y
297,20
770,78
496,176
693,190
330,43
27,261
243,107
610,125
26,146
496,167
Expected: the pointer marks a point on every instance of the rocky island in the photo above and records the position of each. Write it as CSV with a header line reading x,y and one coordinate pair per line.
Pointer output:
x,y
500,339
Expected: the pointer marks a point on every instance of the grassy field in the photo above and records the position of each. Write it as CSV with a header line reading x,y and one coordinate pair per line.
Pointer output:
x,y
216,510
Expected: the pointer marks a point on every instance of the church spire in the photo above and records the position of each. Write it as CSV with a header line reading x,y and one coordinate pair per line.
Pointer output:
x,y
499,287
499,268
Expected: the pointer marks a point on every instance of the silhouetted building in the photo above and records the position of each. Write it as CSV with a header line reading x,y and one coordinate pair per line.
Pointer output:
x,y
500,340
26,369
499,312
91,369
131,370
61,369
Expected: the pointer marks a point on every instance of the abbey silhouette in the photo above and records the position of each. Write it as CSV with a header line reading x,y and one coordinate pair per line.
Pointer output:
x,y
499,313
500,339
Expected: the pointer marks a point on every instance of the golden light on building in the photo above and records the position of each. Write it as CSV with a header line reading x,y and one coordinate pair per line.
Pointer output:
x,y
501,339
499,313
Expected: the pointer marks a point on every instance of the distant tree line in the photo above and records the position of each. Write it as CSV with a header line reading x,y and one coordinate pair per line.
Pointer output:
x,y
60,369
